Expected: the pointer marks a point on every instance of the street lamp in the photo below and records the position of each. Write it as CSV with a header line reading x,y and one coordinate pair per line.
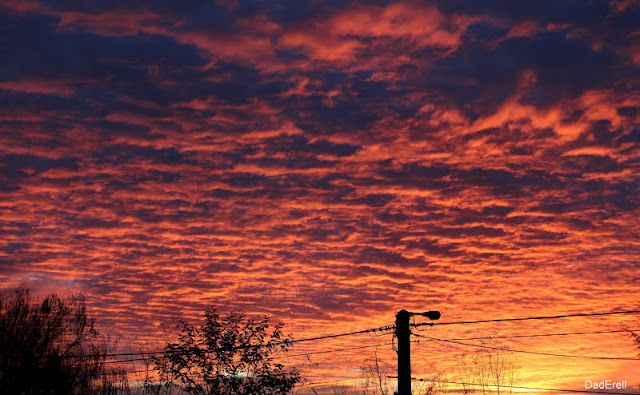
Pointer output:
x,y
403,332
432,315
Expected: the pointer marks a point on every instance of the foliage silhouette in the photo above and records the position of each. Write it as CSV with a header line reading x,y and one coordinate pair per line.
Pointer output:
x,y
40,342
231,355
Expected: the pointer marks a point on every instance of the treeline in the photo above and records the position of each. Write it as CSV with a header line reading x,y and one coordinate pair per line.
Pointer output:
x,y
51,346
37,340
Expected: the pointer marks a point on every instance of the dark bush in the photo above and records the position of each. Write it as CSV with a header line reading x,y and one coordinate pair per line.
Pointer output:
x,y
48,346
231,355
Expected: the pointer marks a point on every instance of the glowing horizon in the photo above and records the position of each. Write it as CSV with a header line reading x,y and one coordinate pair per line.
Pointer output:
x,y
330,164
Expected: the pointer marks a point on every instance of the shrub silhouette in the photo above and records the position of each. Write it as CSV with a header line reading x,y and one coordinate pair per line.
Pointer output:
x,y
48,346
229,355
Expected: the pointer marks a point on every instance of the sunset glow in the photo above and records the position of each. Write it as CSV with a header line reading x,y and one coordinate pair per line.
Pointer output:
x,y
329,164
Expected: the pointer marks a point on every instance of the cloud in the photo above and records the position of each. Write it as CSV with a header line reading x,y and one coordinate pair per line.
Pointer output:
x,y
323,162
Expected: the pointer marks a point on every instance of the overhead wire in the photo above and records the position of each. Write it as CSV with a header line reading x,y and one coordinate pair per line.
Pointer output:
x,y
381,329
540,335
371,330
455,341
324,384
287,356
337,350
529,352
548,317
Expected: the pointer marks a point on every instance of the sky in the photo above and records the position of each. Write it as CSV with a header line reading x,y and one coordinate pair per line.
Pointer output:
x,y
329,164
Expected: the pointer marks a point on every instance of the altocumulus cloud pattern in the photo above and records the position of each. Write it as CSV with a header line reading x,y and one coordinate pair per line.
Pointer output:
x,y
327,163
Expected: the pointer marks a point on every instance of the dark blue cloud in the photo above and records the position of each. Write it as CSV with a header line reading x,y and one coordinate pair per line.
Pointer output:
x,y
294,163
475,78
628,111
575,12
42,51
433,247
484,31
460,232
372,199
119,129
373,255
357,105
32,103
479,76
151,68
16,165
123,153
565,67
240,83
300,145
632,137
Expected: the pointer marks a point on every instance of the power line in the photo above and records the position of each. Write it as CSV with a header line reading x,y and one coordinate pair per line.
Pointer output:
x,y
284,356
337,350
122,354
128,360
540,335
126,372
548,317
529,352
378,329
326,383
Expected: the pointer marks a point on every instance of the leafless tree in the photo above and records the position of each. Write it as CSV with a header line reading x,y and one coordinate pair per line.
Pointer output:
x,y
341,390
491,370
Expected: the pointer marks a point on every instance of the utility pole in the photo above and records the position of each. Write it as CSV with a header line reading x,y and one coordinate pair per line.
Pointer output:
x,y
404,352
403,333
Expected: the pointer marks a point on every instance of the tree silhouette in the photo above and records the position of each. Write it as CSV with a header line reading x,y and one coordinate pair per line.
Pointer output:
x,y
492,370
229,354
48,346
375,378
378,378
636,340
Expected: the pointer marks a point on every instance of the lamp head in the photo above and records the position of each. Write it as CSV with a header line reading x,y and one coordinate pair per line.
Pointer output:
x,y
432,315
